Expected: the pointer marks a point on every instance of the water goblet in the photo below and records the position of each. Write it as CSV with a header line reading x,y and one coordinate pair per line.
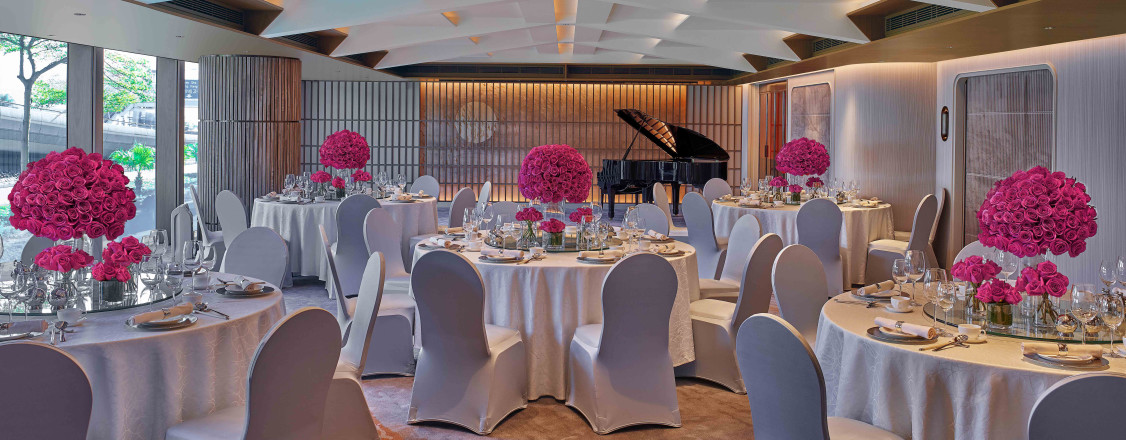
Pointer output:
x,y
192,253
401,182
899,272
1112,310
1108,274
947,295
150,273
174,278
290,182
932,280
916,268
1084,305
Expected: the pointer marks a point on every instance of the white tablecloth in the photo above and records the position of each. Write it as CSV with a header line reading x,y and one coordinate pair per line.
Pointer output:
x,y
145,382
298,225
860,227
547,300
983,392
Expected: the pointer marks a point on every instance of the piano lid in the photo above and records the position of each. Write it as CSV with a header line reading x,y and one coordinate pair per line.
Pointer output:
x,y
678,142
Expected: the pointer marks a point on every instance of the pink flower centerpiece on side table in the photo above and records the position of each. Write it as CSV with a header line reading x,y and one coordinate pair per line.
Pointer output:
x,y
345,150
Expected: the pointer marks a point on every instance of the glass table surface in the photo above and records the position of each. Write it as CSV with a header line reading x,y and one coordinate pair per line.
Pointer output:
x,y
1022,328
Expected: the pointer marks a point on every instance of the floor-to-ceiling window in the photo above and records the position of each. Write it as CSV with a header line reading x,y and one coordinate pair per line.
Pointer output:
x,y
129,128
32,116
191,126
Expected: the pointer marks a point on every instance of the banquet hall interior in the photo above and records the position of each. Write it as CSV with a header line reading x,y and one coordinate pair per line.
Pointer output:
x,y
562,219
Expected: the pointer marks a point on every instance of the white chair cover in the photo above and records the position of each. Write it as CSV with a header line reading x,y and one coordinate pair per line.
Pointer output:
x,y
261,254
701,234
653,218
786,388
486,192
799,287
383,234
715,322
391,341
469,373
351,253
819,229
506,210
181,228
343,311
47,395
426,183
620,373
932,259
33,247
2,247
232,215
715,188
464,199
209,237
881,253
975,248
744,235
288,385
1085,406
661,199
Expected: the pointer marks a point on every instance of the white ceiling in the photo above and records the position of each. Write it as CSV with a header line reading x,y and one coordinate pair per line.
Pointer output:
x,y
708,32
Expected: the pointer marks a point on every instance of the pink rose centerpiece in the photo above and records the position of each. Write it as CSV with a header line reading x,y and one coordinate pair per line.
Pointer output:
x,y
1000,296
552,226
553,233
529,216
118,264
337,183
975,270
106,272
814,182
803,157
63,259
580,215
345,150
127,252
553,173
1034,212
1043,279
779,182
361,176
320,177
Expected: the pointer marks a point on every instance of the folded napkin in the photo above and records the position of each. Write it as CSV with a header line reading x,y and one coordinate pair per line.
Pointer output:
x,y
594,254
421,193
921,331
403,197
272,194
499,253
141,318
1049,349
662,248
657,235
455,230
35,325
749,202
873,289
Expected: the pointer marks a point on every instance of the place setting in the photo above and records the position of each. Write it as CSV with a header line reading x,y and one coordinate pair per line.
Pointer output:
x,y
900,332
1064,356
242,287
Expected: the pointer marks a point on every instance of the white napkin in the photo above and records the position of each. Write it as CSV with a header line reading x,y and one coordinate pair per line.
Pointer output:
x,y
140,318
403,197
421,193
35,325
1054,349
656,235
246,284
873,289
748,202
663,248
510,253
594,255
272,194
455,230
911,329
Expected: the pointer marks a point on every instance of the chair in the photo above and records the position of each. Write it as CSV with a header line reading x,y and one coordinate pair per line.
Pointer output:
x,y
505,210
483,197
715,188
56,408
819,229
799,287
383,234
661,199
209,237
744,235
462,200
350,252
715,322
2,247
181,228
33,247
619,371
232,215
975,248
652,218
427,184
786,388
288,385
701,234
470,374
262,254
881,253
1079,407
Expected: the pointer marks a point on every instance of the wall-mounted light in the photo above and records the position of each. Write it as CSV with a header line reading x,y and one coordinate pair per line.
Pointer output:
x,y
945,129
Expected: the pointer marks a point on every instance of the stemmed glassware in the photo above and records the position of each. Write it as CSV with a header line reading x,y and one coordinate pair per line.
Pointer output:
x,y
916,267
947,295
290,182
192,254
508,230
174,278
1085,305
1108,274
151,273
1008,263
629,226
157,241
932,280
596,211
1112,310
1120,270
10,285
401,182
899,272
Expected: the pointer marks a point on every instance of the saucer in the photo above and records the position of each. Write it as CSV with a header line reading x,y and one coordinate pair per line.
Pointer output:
x,y
977,341
893,310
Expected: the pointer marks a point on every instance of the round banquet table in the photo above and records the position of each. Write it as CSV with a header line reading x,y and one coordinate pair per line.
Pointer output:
x,y
298,225
147,381
985,391
546,300
860,227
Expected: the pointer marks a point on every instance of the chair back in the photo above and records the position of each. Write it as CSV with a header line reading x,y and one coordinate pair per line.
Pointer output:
x,y
357,341
701,233
261,254
785,385
715,188
819,229
661,199
653,218
486,192
56,408
754,290
351,252
33,247
383,234
1079,407
506,210
2,247
450,300
922,227
799,286
194,205
342,315
464,199
181,228
290,377
938,214
744,236
232,215
637,299
427,184
975,248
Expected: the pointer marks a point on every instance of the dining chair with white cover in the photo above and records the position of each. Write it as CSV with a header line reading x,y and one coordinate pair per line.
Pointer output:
x,y
486,192
744,236
620,373
351,253
470,373
786,388
819,229
427,184
715,188
1084,406
661,199
57,407
881,253
383,234
33,247
715,322
799,287
505,210
180,229
975,248
701,235
232,215
212,238
464,199
652,218
260,253
288,385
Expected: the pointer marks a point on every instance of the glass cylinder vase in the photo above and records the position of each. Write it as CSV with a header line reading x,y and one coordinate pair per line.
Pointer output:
x,y
1000,316
553,241
528,238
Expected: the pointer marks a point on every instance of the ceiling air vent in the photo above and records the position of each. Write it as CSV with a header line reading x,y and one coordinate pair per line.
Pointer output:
x,y
304,40
772,61
563,72
359,58
919,17
822,45
212,12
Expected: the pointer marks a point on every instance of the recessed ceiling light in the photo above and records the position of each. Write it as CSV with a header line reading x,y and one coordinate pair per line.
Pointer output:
x,y
80,14
1048,28
179,36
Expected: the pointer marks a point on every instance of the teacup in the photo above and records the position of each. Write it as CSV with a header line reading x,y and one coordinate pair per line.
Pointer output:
x,y
194,297
779,202
70,315
901,303
972,331
538,251
319,199
473,245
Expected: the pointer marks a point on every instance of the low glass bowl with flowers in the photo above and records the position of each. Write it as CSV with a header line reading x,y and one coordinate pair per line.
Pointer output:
x,y
111,281
320,178
999,298
1044,284
553,234
361,180
778,183
795,195
338,184
528,237
975,270
64,261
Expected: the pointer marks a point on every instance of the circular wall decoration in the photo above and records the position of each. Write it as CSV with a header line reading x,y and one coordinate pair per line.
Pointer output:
x,y
475,122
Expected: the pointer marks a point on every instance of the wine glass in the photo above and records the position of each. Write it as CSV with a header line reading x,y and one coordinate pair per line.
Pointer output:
x,y
933,278
150,273
916,268
899,272
1113,310
1008,263
1108,274
508,230
160,241
290,182
1085,305
1120,270
174,278
192,255
596,211
9,285
487,215
947,295
401,182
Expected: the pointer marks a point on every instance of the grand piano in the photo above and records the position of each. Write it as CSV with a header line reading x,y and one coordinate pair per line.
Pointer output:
x,y
695,160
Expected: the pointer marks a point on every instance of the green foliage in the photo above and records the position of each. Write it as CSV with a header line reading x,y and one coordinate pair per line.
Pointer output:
x,y
190,151
6,98
45,94
137,158
129,79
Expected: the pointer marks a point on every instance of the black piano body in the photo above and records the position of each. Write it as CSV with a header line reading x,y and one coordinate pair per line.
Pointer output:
x,y
695,159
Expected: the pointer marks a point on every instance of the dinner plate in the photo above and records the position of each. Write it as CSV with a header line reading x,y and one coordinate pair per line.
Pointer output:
x,y
657,240
243,293
176,322
1067,359
887,335
499,259
1100,364
908,310
878,296
675,253
18,336
402,201
605,260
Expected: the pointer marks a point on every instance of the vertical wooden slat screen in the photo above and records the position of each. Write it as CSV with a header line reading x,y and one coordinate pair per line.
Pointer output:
x,y
466,133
